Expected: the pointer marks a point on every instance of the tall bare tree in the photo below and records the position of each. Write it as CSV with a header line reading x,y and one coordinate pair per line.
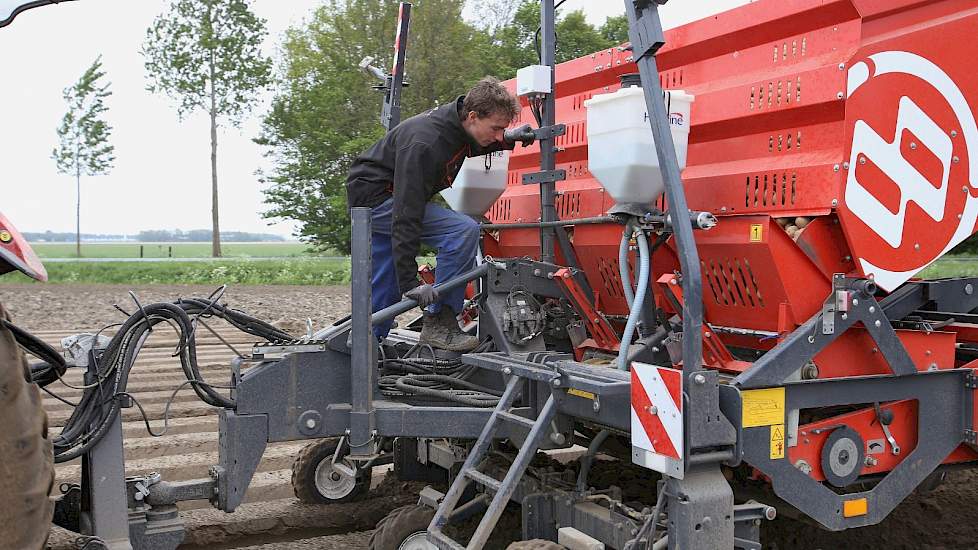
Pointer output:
x,y
83,136
206,54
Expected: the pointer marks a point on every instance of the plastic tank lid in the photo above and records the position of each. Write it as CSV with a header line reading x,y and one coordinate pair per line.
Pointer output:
x,y
675,95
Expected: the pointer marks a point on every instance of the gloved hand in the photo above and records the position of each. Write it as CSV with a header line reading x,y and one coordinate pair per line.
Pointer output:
x,y
425,295
524,134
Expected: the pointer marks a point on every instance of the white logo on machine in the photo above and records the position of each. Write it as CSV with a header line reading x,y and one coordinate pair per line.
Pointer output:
x,y
928,194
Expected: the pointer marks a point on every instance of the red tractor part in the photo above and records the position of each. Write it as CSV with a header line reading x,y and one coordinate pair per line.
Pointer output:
x,y
17,254
827,138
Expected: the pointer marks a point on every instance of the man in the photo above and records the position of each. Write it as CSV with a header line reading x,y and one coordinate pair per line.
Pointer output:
x,y
26,460
400,174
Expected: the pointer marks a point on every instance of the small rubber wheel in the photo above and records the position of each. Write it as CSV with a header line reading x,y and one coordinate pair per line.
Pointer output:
x,y
535,544
405,528
317,480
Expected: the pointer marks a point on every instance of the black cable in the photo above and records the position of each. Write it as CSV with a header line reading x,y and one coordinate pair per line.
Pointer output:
x,y
166,409
100,403
58,397
536,35
53,363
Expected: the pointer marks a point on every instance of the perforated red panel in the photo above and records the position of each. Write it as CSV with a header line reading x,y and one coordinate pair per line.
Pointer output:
x,y
771,133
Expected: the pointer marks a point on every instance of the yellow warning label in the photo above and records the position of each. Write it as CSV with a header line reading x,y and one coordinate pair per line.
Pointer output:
x,y
763,407
777,441
756,232
581,393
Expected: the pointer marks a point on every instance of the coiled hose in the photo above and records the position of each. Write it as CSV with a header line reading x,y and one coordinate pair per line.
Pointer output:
x,y
101,401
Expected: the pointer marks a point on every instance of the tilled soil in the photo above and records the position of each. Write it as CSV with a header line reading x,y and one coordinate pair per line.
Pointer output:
x,y
272,518
71,307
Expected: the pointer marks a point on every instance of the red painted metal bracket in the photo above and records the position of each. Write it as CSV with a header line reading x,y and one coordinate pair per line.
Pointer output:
x,y
602,335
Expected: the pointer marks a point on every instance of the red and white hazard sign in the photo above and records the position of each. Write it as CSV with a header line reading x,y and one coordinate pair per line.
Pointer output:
x,y
657,419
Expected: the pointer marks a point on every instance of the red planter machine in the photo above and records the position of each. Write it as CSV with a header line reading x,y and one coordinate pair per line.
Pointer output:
x,y
828,137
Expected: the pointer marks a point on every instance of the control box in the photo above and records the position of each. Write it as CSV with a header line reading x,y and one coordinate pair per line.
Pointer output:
x,y
534,79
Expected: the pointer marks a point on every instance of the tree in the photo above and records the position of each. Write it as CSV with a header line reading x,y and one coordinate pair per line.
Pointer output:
x,y
324,113
615,29
83,136
518,42
206,54
492,16
576,37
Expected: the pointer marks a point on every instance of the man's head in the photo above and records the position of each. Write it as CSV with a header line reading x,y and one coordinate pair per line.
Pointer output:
x,y
487,110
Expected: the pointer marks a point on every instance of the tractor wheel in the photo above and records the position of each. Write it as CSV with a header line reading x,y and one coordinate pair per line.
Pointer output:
x,y
535,544
406,528
317,480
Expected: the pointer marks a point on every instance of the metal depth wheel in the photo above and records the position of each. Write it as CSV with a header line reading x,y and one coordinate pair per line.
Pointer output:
x,y
318,479
535,544
405,528
842,456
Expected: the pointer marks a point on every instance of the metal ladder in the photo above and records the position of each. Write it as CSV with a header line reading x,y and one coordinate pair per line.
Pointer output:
x,y
504,489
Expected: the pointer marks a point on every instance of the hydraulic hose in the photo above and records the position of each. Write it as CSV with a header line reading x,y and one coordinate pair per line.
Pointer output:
x,y
100,403
588,459
635,311
626,277
53,364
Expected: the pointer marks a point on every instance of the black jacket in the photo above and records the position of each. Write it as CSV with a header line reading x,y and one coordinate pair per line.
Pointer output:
x,y
413,162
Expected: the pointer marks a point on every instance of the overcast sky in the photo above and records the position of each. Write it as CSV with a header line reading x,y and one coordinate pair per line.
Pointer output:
x,y
161,178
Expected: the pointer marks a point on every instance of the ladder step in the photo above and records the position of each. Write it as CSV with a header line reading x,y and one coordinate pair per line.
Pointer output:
x,y
443,541
482,478
515,418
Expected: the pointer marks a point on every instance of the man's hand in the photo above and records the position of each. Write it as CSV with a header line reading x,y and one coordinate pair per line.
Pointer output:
x,y
524,134
425,295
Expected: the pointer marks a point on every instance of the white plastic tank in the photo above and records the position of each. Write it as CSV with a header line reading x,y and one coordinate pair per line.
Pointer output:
x,y
621,151
479,183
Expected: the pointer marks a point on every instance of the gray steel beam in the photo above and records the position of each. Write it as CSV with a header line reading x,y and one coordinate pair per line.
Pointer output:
x,y
104,470
548,156
645,32
363,363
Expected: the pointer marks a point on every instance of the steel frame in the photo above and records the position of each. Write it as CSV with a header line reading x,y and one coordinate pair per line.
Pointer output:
x,y
320,393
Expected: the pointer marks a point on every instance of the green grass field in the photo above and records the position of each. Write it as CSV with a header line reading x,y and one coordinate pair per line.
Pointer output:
x,y
952,266
296,266
178,250
239,272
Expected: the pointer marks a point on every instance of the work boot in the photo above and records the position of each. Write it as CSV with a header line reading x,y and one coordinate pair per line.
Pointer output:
x,y
440,330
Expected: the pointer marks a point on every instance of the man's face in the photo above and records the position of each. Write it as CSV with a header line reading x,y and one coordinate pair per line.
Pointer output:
x,y
488,130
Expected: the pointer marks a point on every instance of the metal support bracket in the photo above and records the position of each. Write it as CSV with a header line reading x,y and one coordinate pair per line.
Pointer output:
x,y
604,336
702,498
545,176
549,132
242,444
645,28
262,349
799,347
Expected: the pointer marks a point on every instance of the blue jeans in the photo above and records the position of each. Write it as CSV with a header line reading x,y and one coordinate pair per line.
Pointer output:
x,y
456,236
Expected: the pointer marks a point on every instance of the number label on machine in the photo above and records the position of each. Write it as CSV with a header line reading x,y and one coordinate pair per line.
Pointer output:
x,y
657,419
